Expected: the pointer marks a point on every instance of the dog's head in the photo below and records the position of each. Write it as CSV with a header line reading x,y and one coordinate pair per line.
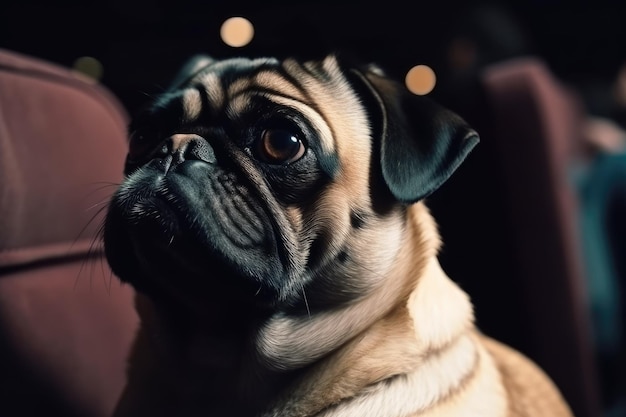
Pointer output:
x,y
264,182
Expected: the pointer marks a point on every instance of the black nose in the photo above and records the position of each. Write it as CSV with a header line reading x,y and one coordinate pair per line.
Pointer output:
x,y
183,147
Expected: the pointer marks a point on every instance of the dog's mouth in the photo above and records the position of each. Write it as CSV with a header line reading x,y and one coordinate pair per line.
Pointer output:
x,y
196,230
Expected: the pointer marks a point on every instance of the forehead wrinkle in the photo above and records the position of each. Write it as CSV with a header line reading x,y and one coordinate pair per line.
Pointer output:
x,y
212,86
237,87
270,80
239,102
192,104
237,105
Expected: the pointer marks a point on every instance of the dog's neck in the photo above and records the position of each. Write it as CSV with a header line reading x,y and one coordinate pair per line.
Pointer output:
x,y
287,342
432,317
292,358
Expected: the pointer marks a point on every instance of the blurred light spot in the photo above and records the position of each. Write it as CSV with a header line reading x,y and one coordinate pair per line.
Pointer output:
x,y
89,66
237,32
420,80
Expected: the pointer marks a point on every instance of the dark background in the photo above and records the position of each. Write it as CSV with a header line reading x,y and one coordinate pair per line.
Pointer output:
x,y
140,43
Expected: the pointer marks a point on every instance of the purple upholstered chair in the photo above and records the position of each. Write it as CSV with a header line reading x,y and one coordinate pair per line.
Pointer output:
x,y
66,324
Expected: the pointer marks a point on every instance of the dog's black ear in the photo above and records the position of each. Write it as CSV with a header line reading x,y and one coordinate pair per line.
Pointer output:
x,y
421,142
190,68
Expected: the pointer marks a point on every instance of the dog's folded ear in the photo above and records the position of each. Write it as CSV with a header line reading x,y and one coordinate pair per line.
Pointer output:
x,y
190,68
420,142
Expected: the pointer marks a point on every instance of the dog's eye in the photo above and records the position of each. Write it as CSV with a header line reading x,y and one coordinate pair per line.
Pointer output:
x,y
140,145
279,146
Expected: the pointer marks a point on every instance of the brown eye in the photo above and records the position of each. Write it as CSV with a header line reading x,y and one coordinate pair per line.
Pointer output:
x,y
142,146
280,146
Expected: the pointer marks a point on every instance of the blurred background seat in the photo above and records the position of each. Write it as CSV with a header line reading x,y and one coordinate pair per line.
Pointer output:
x,y
517,248
537,123
66,324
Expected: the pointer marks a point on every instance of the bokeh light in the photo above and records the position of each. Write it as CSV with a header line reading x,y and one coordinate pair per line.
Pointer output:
x,y
237,32
420,80
89,66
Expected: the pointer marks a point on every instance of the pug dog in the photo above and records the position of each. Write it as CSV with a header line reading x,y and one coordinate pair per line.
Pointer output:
x,y
272,220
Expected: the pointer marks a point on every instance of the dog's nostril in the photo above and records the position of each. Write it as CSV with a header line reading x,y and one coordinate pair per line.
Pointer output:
x,y
201,150
184,147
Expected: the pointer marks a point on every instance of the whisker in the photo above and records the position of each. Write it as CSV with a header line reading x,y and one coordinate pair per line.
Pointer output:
x,y
92,252
306,302
84,228
102,261
100,203
102,186
110,283
79,273
159,87
95,190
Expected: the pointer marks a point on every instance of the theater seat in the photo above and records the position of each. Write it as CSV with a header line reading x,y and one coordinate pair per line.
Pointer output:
x,y
66,324
510,222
